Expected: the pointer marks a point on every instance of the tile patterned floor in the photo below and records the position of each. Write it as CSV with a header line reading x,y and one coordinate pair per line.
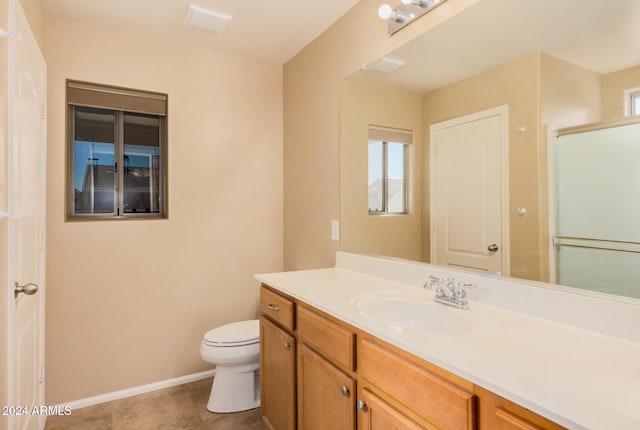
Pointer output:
x,y
177,408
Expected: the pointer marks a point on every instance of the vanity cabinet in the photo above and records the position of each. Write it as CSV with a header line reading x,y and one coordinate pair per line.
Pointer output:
x,y
320,373
277,362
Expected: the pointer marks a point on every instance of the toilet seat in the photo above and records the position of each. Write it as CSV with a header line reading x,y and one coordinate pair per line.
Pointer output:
x,y
235,334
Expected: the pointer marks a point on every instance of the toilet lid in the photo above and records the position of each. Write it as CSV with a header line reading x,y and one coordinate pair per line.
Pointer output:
x,y
234,334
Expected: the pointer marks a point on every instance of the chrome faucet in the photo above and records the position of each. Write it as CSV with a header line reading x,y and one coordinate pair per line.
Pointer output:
x,y
448,292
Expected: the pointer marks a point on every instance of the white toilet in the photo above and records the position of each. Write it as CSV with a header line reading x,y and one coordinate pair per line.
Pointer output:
x,y
235,350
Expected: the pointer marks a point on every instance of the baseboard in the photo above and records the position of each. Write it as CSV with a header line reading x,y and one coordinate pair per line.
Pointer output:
x,y
115,395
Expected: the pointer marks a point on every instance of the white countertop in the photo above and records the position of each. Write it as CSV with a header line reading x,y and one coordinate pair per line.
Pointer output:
x,y
574,376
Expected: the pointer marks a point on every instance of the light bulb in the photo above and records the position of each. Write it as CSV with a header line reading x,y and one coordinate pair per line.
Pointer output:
x,y
385,11
421,3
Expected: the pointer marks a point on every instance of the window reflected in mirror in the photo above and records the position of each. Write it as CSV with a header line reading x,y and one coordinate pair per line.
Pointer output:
x,y
387,172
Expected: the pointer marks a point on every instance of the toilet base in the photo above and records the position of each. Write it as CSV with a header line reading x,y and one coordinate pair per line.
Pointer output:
x,y
235,389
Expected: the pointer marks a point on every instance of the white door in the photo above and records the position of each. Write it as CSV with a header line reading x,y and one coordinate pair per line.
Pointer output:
x,y
27,139
468,193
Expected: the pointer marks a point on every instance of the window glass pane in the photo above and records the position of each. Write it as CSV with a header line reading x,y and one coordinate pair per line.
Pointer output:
x,y
141,163
635,104
395,177
376,194
94,157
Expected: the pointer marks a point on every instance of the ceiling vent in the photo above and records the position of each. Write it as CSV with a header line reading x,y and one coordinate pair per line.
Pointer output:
x,y
205,19
385,65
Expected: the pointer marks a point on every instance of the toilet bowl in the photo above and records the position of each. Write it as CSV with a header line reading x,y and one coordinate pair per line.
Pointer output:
x,y
235,350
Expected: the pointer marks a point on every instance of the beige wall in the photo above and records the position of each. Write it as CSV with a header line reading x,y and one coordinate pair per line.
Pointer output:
x,y
36,16
311,126
569,94
362,105
129,301
614,86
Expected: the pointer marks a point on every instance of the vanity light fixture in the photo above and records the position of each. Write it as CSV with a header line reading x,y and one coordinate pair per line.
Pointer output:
x,y
406,12
421,3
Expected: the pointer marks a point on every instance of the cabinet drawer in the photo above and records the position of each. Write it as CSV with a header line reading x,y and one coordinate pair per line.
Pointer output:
x,y
328,338
277,308
430,396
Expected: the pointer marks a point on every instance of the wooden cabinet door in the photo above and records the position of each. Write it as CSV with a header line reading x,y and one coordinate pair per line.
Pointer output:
x,y
277,377
375,414
498,413
326,395
505,420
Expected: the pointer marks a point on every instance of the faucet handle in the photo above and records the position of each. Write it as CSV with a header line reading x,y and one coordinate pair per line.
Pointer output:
x,y
461,290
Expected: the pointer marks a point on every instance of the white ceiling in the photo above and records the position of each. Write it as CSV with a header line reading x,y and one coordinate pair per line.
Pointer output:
x,y
271,31
600,35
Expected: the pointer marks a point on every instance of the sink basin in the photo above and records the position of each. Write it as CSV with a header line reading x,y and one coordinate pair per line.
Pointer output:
x,y
403,313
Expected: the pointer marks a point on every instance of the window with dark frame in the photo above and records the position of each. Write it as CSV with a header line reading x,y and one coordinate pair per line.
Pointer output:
x,y
388,153
116,151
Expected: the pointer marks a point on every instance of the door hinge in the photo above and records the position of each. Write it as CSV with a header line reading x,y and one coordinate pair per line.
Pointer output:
x,y
43,111
41,380
42,242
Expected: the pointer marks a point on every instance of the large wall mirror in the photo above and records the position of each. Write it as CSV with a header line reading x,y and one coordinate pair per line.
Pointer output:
x,y
514,73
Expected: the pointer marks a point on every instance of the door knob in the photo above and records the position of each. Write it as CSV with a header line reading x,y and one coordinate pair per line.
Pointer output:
x,y
344,391
493,247
287,346
29,289
361,405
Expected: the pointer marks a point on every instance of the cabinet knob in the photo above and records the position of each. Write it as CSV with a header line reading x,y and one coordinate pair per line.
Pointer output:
x,y
287,346
344,391
361,405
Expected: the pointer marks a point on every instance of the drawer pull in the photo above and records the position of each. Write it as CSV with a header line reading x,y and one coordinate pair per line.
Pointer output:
x,y
273,307
361,405
287,346
344,391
